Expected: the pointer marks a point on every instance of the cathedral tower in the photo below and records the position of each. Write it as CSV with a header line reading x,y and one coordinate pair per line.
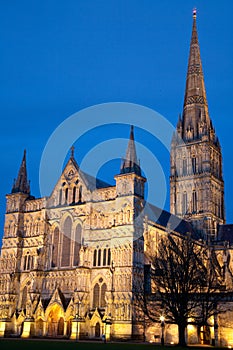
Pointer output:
x,y
196,180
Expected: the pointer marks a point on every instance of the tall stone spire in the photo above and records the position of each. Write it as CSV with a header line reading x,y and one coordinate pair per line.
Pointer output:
x,y
196,177
130,163
21,184
196,120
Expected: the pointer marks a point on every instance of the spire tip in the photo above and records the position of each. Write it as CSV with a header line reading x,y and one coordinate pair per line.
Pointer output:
x,y
194,13
72,152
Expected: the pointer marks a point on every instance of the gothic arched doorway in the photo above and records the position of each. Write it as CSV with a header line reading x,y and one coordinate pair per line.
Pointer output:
x,y
60,326
39,327
68,328
97,330
55,321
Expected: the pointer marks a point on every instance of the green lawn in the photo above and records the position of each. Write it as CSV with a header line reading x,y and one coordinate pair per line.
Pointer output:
x,y
6,344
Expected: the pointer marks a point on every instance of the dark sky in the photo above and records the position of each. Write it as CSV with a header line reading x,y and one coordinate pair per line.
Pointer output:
x,y
58,57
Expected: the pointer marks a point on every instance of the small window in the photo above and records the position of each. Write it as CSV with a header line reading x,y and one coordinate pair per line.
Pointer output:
x,y
95,257
66,194
99,257
105,257
109,256
74,194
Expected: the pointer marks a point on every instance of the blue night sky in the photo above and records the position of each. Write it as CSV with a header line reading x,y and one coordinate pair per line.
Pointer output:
x,y
58,57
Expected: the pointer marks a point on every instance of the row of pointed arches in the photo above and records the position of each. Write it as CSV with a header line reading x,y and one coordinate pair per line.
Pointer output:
x,y
70,195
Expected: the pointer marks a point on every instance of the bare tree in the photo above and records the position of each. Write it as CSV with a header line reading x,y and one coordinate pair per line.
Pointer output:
x,y
185,281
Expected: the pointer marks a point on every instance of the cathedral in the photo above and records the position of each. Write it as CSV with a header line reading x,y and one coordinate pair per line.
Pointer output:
x,y
69,261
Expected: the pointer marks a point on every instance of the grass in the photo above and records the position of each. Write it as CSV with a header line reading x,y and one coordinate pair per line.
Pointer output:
x,y
7,344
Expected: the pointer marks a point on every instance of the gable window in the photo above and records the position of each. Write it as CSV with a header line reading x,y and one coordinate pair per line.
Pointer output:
x,y
60,197
74,194
66,242
66,195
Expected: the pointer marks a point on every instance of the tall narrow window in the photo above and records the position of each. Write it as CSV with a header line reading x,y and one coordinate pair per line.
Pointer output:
x,y
99,257
74,194
80,194
109,256
95,258
194,201
184,167
66,195
96,295
60,197
25,262
29,262
55,247
102,297
105,257
32,262
194,165
66,242
77,244
185,203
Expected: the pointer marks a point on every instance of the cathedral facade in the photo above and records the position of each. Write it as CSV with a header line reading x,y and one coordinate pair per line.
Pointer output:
x,y
69,261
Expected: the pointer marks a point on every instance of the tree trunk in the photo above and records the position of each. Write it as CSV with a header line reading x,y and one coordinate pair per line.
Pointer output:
x,y
182,340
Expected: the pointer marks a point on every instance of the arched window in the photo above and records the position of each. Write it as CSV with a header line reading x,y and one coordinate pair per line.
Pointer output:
x,y
105,257
185,203
109,256
25,262
55,247
32,262
102,297
28,262
77,244
99,257
194,201
66,195
96,295
80,194
194,165
60,197
66,242
74,194
95,258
